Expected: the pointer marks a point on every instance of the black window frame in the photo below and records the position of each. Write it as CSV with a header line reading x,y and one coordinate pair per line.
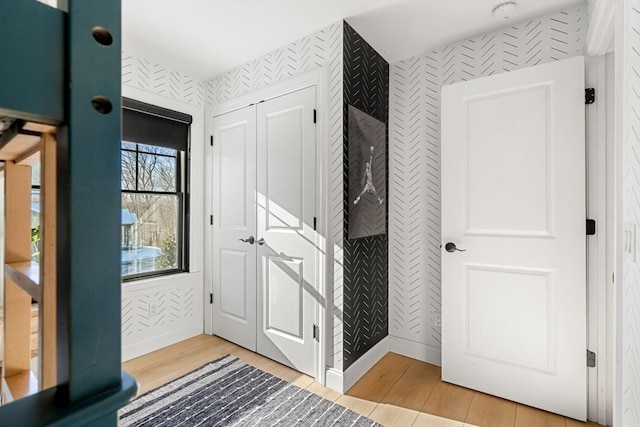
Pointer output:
x,y
183,167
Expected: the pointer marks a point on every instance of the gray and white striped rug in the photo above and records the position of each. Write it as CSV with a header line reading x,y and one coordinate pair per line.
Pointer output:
x,y
228,392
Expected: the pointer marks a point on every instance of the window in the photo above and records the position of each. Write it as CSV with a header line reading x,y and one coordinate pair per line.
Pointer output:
x,y
154,183
35,211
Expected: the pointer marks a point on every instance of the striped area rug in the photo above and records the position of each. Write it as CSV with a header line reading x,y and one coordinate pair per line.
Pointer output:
x,y
228,392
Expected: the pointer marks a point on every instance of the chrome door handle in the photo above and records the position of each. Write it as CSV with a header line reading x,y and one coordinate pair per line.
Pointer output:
x,y
250,240
261,241
451,247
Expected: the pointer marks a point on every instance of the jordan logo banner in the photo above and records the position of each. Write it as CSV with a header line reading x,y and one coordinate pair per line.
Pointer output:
x,y
367,180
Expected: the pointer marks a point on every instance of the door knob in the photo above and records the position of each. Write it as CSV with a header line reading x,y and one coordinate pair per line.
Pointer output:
x,y
261,241
451,247
250,240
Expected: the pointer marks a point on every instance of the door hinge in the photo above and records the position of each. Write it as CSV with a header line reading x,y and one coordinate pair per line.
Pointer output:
x,y
589,95
316,332
314,115
591,359
591,227
210,219
211,298
315,223
211,139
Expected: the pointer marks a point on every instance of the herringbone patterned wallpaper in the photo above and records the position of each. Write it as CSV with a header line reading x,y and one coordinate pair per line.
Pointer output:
x,y
631,187
322,49
141,73
366,298
157,310
414,152
150,314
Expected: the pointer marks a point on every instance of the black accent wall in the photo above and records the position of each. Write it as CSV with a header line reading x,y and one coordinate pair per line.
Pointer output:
x,y
366,279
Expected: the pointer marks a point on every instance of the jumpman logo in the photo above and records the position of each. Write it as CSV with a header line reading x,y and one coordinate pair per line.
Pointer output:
x,y
367,180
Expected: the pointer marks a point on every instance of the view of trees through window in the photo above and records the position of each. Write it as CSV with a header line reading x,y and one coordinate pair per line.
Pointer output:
x,y
152,201
35,211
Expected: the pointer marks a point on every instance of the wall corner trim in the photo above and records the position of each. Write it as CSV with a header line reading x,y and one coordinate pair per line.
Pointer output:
x,y
335,380
415,350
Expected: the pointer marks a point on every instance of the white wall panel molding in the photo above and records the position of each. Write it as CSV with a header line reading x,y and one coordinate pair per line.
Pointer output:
x,y
320,50
414,152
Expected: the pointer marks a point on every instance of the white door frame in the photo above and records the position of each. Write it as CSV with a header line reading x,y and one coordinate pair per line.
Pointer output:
x,y
320,79
600,265
604,203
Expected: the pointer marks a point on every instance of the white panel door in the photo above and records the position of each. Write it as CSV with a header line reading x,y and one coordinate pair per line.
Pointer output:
x,y
287,260
234,227
513,198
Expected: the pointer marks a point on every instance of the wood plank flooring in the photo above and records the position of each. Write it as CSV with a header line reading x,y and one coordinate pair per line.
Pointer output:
x,y
397,391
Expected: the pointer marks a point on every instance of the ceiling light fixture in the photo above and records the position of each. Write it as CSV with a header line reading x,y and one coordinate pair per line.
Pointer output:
x,y
504,11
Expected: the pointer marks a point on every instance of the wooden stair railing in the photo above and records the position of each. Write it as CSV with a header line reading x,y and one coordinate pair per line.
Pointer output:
x,y
61,67
27,280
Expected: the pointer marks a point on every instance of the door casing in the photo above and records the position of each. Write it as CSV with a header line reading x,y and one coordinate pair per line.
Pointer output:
x,y
600,247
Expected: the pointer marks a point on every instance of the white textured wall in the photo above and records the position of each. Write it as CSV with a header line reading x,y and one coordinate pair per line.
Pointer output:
x,y
414,158
322,49
157,312
628,52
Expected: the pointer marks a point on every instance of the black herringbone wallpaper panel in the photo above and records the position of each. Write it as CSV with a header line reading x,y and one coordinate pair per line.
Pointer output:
x,y
366,282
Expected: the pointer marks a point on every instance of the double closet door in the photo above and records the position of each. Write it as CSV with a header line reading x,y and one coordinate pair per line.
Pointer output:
x,y
265,259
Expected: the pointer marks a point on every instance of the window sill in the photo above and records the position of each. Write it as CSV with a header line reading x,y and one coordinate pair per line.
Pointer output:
x,y
169,277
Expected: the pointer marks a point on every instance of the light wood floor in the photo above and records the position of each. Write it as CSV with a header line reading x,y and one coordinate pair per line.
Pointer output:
x,y
397,391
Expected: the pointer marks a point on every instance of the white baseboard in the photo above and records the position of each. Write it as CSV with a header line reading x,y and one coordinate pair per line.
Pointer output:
x,y
342,381
415,350
156,342
334,380
364,363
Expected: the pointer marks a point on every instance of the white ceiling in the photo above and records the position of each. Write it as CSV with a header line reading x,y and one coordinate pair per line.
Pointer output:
x,y
207,37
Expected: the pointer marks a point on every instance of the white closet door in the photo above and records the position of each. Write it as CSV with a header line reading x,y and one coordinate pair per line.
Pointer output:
x,y
287,260
513,198
234,219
